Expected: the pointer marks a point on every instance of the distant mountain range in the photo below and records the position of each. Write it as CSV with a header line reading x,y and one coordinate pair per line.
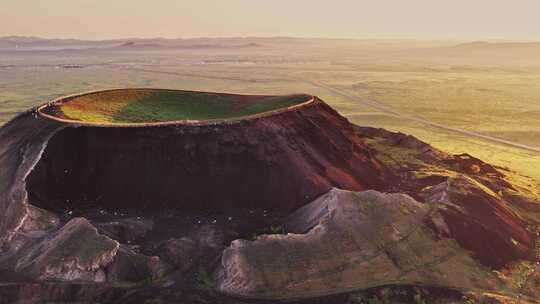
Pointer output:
x,y
36,43
14,43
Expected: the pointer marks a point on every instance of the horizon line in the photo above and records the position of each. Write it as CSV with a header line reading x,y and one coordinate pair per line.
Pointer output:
x,y
274,37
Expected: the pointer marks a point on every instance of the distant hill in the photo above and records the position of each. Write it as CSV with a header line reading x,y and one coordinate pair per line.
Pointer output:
x,y
498,46
174,44
36,43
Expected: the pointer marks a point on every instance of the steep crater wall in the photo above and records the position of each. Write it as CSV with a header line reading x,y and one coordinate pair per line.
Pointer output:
x,y
280,159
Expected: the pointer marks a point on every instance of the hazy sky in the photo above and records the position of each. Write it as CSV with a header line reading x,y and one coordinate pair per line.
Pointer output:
x,y
98,19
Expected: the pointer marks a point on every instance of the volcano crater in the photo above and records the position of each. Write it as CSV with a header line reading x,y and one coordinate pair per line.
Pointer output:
x,y
271,152
215,197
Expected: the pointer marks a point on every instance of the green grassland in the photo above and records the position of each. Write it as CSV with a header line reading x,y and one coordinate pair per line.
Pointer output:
x,y
502,104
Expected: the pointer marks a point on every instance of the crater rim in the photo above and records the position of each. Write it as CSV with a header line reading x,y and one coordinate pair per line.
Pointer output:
x,y
53,109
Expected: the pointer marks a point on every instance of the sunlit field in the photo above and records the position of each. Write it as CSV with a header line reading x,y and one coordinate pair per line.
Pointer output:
x,y
433,90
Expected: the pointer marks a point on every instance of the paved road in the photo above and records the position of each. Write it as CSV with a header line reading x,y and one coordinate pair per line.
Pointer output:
x,y
391,112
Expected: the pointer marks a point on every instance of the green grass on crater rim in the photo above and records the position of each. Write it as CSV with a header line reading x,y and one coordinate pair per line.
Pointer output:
x,y
147,106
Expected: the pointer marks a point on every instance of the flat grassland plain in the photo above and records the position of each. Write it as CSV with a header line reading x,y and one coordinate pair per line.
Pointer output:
x,y
481,98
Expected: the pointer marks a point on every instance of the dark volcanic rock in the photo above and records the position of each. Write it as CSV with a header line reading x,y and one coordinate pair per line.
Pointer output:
x,y
55,292
126,230
201,248
131,266
182,253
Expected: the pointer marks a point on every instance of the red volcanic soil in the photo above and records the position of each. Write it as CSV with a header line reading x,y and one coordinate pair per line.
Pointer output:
x,y
485,225
277,161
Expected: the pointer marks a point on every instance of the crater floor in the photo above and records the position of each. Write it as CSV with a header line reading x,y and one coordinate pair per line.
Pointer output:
x,y
153,105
